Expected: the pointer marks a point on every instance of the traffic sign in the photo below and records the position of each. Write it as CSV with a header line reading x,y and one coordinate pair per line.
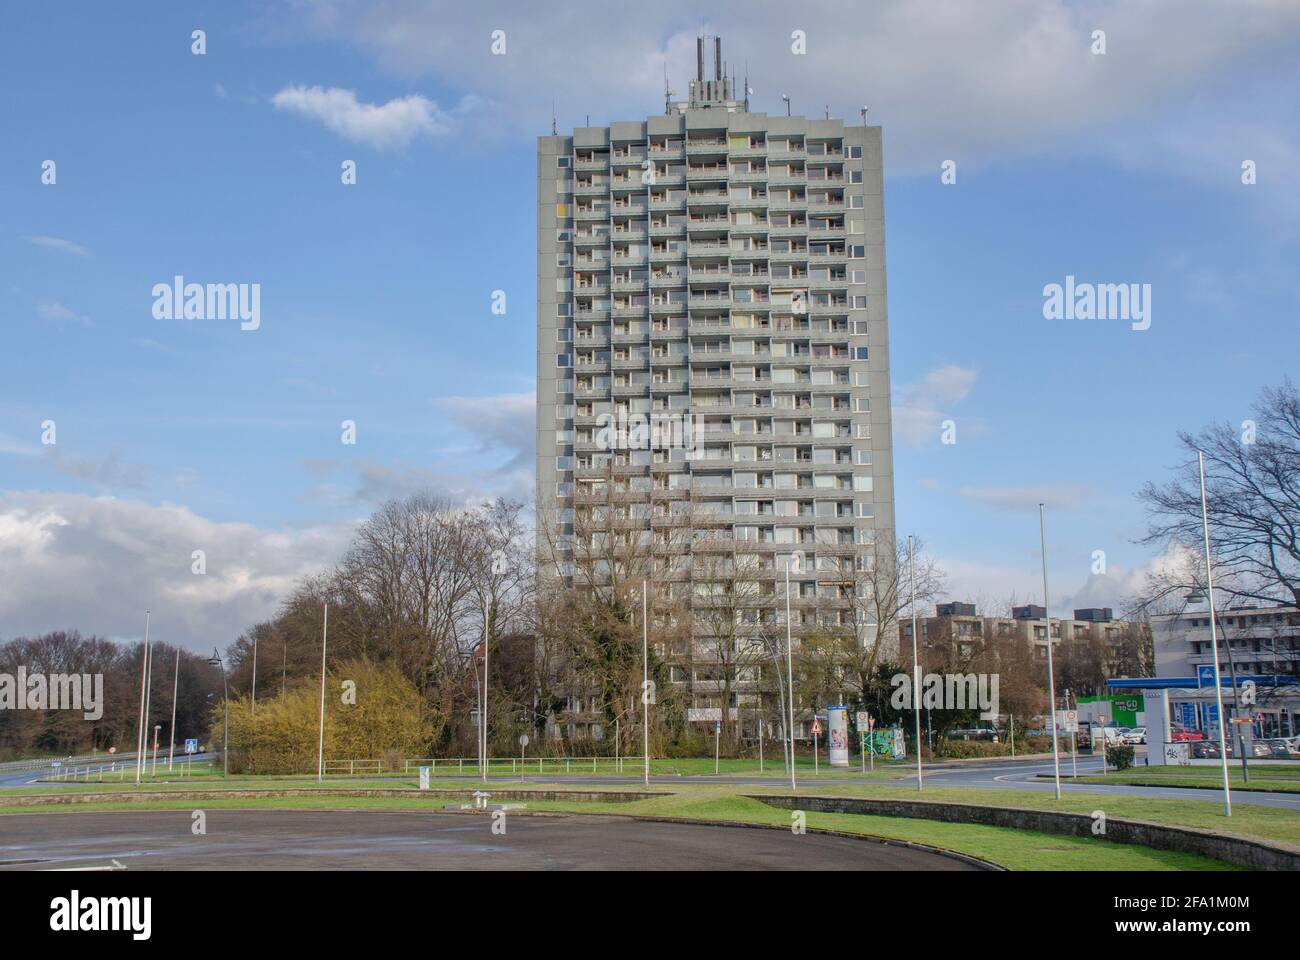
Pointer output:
x,y
863,720
523,740
817,726
191,746
1205,675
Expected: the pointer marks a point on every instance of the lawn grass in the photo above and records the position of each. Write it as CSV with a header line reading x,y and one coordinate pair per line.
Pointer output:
x,y
1262,784
1248,820
703,800
1013,849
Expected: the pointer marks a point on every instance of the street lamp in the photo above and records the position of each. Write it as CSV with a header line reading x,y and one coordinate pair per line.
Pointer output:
x,y
795,559
1051,673
645,676
916,666
215,660
1214,639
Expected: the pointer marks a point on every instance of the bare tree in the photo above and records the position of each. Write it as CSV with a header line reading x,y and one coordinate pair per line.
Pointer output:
x,y
1252,479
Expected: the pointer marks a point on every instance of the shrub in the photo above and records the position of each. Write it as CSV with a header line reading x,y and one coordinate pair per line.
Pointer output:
x,y
966,749
1120,755
385,719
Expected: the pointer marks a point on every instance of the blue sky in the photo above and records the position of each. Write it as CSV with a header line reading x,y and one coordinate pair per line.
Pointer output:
x,y
176,435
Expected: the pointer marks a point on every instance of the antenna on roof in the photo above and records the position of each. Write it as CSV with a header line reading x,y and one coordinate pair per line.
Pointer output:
x,y
553,130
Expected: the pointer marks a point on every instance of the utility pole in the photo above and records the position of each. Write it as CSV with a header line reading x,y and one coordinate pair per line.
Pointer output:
x,y
1051,675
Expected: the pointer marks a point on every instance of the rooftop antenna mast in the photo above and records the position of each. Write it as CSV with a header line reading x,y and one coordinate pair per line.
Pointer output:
x,y
553,130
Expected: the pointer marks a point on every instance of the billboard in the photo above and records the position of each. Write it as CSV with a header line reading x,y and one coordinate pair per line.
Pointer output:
x,y
837,722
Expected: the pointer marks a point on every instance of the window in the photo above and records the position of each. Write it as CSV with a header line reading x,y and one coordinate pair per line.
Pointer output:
x,y
862,431
859,353
857,252
563,411
855,176
564,310
859,328
563,236
564,161
861,379
563,360
858,302
853,152
564,489
857,203
564,335
863,458
857,276
861,405
862,484
564,463
864,511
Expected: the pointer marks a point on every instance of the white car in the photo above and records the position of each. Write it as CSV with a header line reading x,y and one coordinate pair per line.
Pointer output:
x,y
1136,735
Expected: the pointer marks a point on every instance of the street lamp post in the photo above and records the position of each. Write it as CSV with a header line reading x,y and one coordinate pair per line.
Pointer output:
x,y
153,772
176,676
483,713
645,676
254,700
1074,738
144,682
794,558
324,640
916,664
1214,640
215,660
1051,674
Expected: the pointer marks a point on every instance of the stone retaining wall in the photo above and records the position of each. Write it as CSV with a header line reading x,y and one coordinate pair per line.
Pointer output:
x,y
1255,854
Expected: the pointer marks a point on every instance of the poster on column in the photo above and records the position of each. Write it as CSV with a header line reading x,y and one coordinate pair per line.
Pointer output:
x,y
837,723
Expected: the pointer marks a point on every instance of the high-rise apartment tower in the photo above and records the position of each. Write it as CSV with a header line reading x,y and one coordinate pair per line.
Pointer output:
x,y
719,275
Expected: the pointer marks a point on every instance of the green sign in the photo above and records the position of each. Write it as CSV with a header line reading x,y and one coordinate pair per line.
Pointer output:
x,y
1124,708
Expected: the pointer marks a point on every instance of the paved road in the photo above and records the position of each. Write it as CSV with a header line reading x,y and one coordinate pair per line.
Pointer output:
x,y
391,840
1005,774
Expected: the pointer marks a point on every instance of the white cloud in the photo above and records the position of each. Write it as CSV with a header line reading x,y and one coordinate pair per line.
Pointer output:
x,y
963,81
59,314
1065,496
107,472
393,124
59,245
920,408
505,422
97,563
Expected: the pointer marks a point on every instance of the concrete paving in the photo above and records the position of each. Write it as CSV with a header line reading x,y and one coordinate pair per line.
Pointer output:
x,y
393,840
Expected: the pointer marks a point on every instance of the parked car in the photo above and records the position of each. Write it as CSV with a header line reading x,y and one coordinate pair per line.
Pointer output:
x,y
1205,749
1292,747
1180,734
1273,749
1136,735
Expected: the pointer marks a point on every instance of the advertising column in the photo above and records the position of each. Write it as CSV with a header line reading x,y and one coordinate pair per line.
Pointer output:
x,y
837,724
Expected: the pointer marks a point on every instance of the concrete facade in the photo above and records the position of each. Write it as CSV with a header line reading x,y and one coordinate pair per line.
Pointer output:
x,y
722,269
